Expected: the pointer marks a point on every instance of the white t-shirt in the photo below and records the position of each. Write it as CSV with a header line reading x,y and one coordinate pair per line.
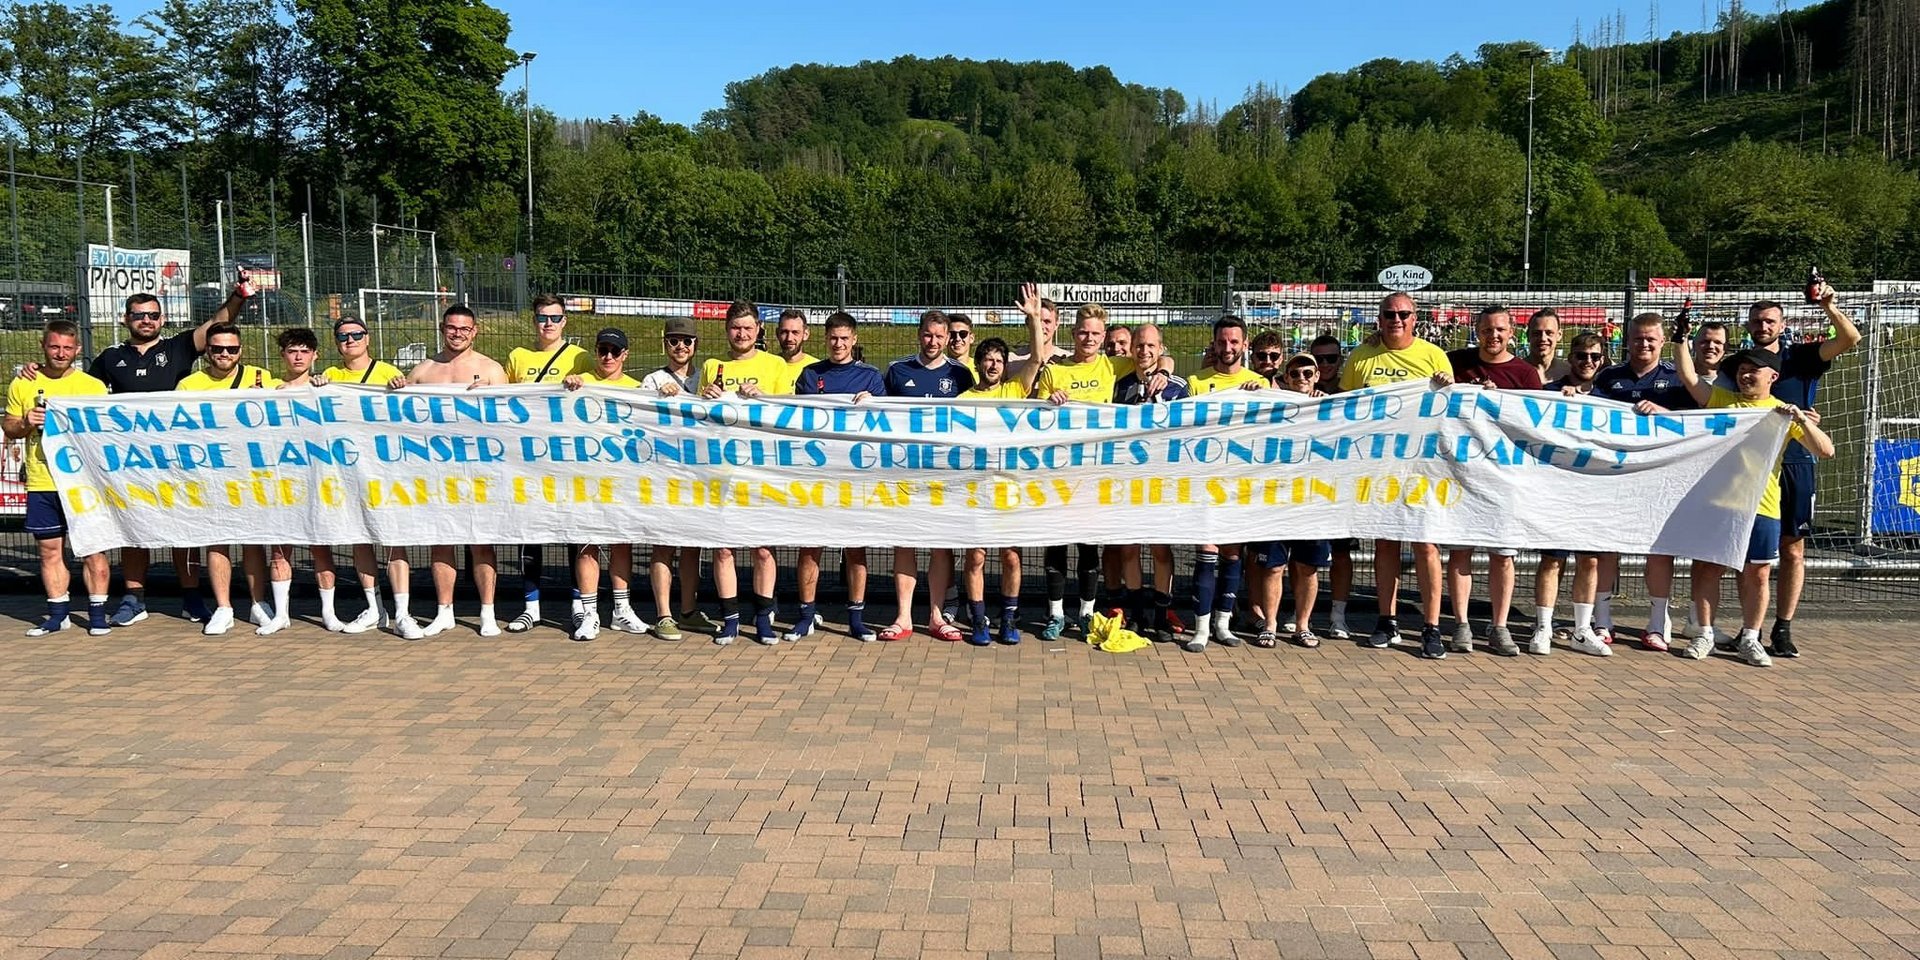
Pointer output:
x,y
661,377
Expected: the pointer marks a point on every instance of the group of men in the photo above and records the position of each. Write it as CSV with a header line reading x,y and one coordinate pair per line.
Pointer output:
x,y
1106,364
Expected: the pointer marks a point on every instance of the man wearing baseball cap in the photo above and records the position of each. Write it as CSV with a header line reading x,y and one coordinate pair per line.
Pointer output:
x,y
609,369
677,376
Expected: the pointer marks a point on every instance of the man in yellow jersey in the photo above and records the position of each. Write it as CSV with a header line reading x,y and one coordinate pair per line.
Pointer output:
x,y
457,363
791,334
609,370
298,350
46,520
748,372
1217,568
1397,356
551,359
960,342
224,371
356,366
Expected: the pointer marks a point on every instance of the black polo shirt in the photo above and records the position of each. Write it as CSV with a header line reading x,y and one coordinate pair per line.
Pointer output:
x,y
126,370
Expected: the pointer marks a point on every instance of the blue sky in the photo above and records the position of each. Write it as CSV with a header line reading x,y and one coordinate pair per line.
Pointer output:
x,y
598,58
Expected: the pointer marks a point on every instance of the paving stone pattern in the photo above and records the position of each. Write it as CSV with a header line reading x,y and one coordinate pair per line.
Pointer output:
x,y
163,794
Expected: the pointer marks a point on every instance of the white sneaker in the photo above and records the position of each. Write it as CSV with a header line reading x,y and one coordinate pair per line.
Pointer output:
x,y
586,627
626,620
407,628
489,627
1701,646
441,623
273,626
1750,650
367,620
220,622
259,615
1541,643
332,623
1587,642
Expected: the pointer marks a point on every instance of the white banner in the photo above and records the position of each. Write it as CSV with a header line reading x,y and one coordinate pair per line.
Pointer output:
x,y
115,273
435,465
1105,294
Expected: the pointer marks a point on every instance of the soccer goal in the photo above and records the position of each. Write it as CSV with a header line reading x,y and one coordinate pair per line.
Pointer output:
x,y
404,323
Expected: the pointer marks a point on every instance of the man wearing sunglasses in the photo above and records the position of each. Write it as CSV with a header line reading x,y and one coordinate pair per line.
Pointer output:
x,y
1397,356
551,359
1586,357
678,338
357,366
1328,359
224,371
1492,366
609,370
457,363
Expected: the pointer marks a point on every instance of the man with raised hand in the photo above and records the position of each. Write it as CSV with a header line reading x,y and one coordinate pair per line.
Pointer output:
x,y
1217,567
224,371
609,370
927,375
551,359
747,372
1801,367
1543,345
46,519
1397,356
457,363
839,374
1150,607
356,366
1644,376
678,340
1041,350
1492,366
146,363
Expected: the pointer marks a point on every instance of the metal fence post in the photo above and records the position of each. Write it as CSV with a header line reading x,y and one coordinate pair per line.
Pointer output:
x,y
1226,302
1626,311
840,284
1871,422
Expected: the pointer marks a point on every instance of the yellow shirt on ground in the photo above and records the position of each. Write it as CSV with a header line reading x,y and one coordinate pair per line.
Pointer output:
x,y
1373,365
380,373
591,378
1210,380
1770,497
249,377
763,370
21,396
524,364
1088,382
1004,390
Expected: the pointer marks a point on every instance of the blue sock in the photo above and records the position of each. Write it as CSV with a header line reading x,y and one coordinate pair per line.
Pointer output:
x,y
97,613
979,611
857,618
1229,585
1206,573
59,610
805,623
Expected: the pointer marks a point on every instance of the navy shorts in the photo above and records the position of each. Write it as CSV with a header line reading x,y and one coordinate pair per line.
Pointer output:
x,y
1561,555
1763,544
1268,553
1796,499
1313,553
46,520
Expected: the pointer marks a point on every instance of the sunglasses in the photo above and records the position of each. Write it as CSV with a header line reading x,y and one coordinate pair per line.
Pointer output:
x,y
1396,314
962,334
143,315
349,337
549,319
607,350
1302,373
1326,358
1271,356
679,341
1590,357
222,349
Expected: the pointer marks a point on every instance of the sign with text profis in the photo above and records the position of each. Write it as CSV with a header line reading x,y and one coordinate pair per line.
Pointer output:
x,y
115,273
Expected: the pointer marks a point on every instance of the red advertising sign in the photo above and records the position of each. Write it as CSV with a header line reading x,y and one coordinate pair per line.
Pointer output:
x,y
1296,288
1676,284
710,310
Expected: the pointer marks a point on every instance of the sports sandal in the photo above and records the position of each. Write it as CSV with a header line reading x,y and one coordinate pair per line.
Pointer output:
x,y
896,632
947,632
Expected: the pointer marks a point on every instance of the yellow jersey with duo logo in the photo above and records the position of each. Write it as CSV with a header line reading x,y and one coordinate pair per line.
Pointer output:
x,y
1209,380
592,378
379,373
764,370
1373,365
524,365
246,377
1004,390
1088,382
23,394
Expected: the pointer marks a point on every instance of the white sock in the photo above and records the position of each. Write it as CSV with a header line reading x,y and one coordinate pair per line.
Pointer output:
x,y
589,606
1057,608
1203,626
1746,634
1582,616
533,610
282,594
400,598
1658,615
1543,617
373,596
1086,608
486,612
445,611
1603,612
326,604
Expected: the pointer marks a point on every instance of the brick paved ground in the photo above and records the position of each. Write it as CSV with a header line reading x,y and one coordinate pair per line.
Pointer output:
x,y
305,795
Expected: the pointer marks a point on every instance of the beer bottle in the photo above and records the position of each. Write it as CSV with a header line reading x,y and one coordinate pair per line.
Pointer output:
x,y
257,375
720,375
1814,282
1683,324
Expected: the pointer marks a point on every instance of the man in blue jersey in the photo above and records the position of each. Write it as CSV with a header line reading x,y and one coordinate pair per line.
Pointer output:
x,y
1801,367
1150,610
839,374
1644,376
928,375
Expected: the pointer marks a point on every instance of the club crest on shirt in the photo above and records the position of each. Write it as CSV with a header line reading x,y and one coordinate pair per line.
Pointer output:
x,y
946,384
160,360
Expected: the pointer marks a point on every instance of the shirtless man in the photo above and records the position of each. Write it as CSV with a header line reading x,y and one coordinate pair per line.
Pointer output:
x,y
459,363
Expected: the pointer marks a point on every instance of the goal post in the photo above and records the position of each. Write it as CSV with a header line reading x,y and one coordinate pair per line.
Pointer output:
x,y
404,323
